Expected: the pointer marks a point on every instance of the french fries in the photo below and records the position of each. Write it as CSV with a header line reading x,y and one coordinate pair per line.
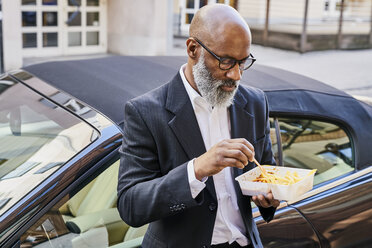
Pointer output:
x,y
269,176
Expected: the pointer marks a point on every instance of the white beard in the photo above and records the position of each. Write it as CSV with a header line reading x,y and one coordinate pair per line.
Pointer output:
x,y
210,88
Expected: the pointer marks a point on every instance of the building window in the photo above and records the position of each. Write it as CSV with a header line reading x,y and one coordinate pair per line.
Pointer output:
x,y
74,2
62,27
29,40
74,18
92,2
28,2
92,19
92,38
49,2
50,39
74,38
50,19
29,18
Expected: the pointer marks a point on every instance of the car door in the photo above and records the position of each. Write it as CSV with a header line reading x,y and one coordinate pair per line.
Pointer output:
x,y
323,216
340,211
289,228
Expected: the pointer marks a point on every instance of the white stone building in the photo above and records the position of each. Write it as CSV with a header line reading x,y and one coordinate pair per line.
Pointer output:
x,y
39,28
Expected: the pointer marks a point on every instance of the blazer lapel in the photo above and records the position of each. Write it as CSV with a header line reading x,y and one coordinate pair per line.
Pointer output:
x,y
242,126
242,123
184,124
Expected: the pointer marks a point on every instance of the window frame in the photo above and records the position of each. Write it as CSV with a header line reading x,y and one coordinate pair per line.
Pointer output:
x,y
313,117
322,187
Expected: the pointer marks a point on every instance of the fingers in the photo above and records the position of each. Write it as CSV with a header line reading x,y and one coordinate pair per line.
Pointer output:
x,y
243,146
272,202
268,201
229,152
232,162
243,141
236,154
260,201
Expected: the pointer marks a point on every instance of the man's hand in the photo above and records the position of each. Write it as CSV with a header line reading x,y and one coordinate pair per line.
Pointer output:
x,y
229,152
262,201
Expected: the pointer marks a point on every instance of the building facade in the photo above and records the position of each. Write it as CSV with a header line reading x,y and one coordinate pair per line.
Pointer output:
x,y
43,28
39,28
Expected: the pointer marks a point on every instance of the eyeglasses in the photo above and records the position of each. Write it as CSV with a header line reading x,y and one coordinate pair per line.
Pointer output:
x,y
228,63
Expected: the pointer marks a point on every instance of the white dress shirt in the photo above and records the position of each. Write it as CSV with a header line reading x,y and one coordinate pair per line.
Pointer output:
x,y
214,124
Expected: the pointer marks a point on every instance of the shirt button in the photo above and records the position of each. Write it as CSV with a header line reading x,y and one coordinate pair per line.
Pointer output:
x,y
212,206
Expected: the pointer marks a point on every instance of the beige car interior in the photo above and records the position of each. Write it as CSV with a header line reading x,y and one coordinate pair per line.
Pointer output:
x,y
92,213
306,149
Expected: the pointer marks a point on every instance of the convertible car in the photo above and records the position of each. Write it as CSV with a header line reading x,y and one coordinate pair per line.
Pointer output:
x,y
61,128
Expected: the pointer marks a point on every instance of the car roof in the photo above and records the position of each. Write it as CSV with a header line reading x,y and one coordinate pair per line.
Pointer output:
x,y
106,84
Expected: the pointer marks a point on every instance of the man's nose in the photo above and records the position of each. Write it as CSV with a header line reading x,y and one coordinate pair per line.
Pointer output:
x,y
234,73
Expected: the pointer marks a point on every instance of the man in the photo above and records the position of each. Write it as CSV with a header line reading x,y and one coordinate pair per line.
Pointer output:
x,y
185,142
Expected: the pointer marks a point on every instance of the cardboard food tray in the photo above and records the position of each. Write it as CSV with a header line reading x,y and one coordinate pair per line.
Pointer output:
x,y
280,192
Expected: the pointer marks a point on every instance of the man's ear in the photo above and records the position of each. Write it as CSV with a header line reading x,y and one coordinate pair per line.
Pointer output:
x,y
191,46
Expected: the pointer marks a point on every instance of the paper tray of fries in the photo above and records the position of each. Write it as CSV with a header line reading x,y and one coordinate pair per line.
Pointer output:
x,y
285,183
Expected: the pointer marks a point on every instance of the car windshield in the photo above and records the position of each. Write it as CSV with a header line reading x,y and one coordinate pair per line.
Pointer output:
x,y
36,138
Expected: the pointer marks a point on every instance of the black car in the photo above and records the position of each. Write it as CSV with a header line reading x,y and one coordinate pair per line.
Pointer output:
x,y
61,128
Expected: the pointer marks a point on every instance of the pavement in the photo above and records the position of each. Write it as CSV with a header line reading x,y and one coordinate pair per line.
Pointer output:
x,y
348,70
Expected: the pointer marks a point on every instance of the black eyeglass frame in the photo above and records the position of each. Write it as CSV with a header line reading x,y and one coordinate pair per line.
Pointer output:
x,y
220,59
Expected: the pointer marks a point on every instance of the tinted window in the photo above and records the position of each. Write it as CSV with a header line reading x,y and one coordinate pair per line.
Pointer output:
x,y
317,145
36,138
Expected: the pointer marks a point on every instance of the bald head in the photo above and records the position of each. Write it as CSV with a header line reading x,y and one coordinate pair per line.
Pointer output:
x,y
217,22
220,30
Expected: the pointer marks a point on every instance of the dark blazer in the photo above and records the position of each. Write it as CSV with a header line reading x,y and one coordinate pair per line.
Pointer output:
x,y
161,135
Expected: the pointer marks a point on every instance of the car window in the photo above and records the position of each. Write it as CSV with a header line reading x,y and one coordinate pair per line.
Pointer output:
x,y
313,144
36,138
87,219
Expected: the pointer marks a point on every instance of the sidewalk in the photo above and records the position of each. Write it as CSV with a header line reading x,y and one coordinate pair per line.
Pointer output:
x,y
348,70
